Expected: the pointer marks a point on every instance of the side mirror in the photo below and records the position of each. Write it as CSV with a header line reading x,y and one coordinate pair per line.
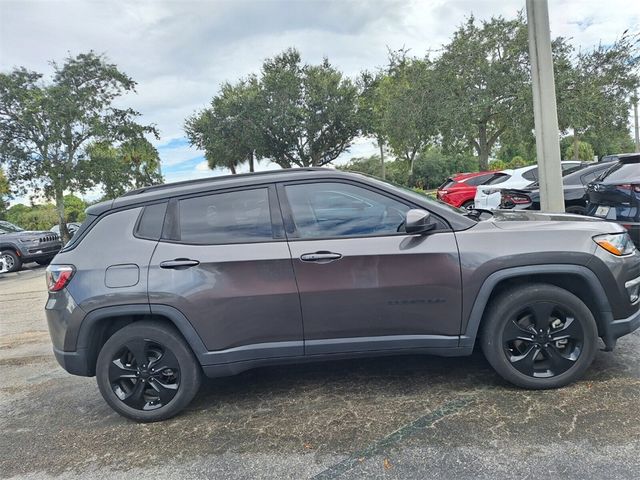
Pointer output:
x,y
418,221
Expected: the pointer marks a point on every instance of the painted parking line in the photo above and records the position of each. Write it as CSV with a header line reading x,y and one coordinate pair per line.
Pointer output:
x,y
394,438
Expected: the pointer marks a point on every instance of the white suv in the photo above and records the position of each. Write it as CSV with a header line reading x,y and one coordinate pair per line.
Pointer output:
x,y
488,195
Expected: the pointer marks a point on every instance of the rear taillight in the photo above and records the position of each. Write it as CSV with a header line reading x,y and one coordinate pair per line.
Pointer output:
x,y
58,276
515,199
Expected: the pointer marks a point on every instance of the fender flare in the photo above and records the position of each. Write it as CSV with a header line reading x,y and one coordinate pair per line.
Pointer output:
x,y
92,319
468,338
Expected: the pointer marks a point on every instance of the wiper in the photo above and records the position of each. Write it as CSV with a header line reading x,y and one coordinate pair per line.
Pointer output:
x,y
477,212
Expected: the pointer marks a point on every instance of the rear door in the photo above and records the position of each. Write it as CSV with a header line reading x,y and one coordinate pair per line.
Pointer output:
x,y
224,263
365,284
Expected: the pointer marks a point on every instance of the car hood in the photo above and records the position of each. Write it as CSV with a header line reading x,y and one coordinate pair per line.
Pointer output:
x,y
26,234
502,216
534,222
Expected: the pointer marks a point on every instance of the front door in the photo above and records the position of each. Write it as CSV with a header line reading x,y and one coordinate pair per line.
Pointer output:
x,y
365,284
224,263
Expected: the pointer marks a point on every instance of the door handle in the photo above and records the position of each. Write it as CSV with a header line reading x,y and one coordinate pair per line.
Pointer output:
x,y
179,263
320,257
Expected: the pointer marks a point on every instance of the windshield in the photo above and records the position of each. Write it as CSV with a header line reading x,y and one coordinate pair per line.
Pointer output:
x,y
6,227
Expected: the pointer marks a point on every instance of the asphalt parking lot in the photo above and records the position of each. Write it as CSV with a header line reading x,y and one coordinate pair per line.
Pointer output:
x,y
400,417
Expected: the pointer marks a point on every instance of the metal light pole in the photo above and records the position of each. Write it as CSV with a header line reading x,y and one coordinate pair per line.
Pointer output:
x,y
634,100
544,107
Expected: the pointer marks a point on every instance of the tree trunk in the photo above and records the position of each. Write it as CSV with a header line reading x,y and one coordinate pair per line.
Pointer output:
x,y
251,162
576,155
483,147
64,232
382,171
233,169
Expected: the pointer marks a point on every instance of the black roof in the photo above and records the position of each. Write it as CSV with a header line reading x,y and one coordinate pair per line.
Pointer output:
x,y
159,192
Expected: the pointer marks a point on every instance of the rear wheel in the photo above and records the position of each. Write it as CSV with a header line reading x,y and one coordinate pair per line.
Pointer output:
x,y
44,261
539,336
468,205
146,372
12,261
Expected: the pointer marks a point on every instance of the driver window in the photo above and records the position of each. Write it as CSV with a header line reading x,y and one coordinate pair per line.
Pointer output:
x,y
332,209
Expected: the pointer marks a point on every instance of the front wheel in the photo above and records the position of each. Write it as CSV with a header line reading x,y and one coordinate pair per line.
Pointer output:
x,y
539,336
146,372
12,261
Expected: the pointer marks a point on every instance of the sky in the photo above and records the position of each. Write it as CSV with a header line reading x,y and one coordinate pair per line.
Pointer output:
x,y
180,51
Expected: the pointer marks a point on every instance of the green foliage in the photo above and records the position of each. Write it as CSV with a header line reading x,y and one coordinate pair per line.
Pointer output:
x,y
585,152
517,162
74,208
46,126
432,167
4,194
498,165
483,82
36,217
133,164
230,130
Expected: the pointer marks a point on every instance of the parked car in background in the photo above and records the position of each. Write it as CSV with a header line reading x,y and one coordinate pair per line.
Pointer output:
x,y
460,190
488,196
220,275
19,246
615,194
575,183
72,227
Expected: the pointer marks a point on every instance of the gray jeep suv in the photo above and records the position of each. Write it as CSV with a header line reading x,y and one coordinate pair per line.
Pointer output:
x,y
18,246
221,275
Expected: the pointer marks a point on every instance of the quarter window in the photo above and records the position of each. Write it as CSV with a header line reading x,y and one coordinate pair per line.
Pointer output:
x,y
531,174
322,210
233,217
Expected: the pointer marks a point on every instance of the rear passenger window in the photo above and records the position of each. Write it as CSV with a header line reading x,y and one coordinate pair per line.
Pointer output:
x,y
233,217
151,221
531,175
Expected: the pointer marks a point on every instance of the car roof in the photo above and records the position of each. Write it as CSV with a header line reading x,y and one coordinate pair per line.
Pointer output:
x,y
465,176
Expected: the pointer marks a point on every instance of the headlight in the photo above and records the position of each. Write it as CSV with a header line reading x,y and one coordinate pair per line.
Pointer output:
x,y
28,240
617,243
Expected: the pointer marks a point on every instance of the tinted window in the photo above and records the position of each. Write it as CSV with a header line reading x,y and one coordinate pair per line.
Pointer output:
x,y
151,221
479,180
342,210
622,173
447,184
531,174
233,217
498,178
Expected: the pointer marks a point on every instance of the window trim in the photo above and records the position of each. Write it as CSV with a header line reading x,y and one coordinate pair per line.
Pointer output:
x,y
136,228
171,231
292,232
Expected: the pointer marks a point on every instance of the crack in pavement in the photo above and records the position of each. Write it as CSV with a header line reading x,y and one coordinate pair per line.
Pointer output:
x,y
394,438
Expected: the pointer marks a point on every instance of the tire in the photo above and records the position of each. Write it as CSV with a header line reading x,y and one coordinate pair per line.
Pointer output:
x,y
547,360
468,205
12,260
44,261
136,391
576,210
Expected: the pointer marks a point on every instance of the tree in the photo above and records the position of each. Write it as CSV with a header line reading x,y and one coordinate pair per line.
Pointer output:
x,y
45,127
585,152
133,164
74,208
411,119
309,112
4,194
594,90
372,111
483,81
229,131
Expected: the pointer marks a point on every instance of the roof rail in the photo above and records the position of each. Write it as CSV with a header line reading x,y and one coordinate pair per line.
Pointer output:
x,y
197,181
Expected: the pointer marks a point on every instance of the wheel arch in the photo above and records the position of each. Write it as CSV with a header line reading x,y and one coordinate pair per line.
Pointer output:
x,y
100,324
576,279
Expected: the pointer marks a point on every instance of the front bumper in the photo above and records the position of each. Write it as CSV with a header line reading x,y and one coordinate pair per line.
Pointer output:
x,y
620,328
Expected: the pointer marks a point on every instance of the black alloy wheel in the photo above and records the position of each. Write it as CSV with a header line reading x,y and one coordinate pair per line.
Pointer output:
x,y
539,336
543,340
147,372
144,375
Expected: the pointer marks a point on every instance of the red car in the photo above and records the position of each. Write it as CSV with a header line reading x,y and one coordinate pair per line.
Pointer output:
x,y
460,190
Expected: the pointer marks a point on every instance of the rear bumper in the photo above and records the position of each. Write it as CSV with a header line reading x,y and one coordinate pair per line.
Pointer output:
x,y
73,362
